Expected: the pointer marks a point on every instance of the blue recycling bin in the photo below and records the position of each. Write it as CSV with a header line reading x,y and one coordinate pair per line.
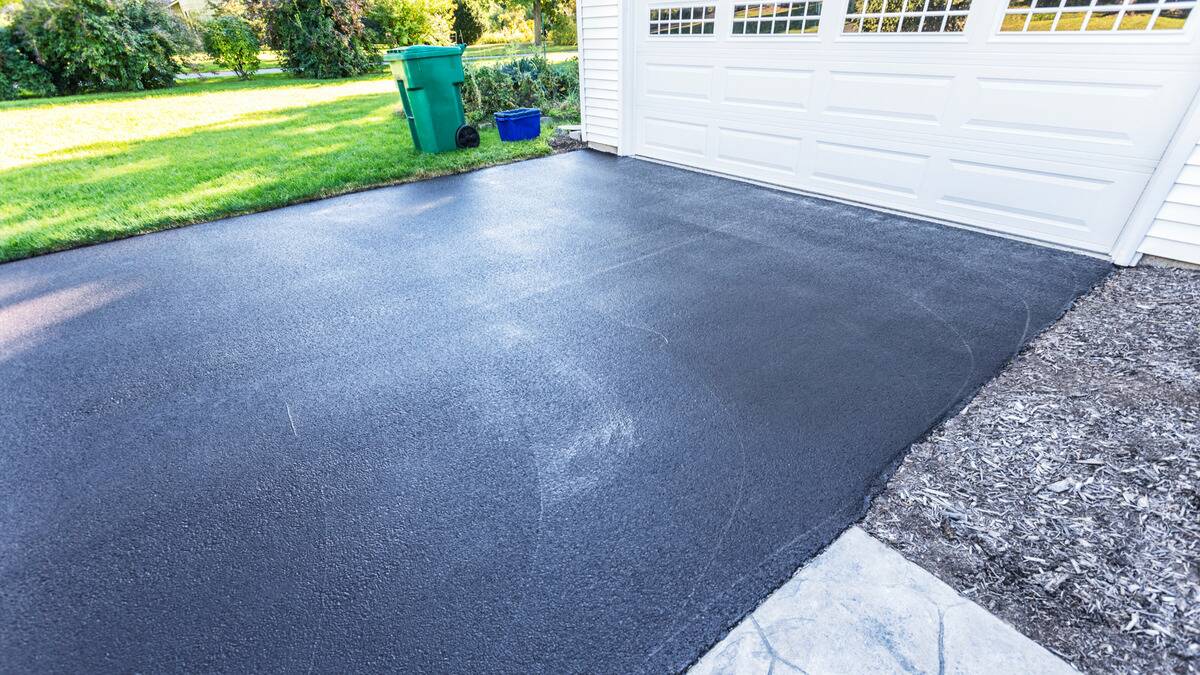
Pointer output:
x,y
520,124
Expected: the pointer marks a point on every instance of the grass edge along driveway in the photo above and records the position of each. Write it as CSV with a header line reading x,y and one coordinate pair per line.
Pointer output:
x,y
88,169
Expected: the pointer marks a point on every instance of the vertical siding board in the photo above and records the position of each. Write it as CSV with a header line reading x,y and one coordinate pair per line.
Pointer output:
x,y
599,58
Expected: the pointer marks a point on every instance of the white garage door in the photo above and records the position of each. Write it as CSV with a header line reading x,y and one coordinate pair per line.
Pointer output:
x,y
1039,118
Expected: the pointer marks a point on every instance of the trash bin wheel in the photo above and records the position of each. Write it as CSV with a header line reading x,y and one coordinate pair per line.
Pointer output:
x,y
466,137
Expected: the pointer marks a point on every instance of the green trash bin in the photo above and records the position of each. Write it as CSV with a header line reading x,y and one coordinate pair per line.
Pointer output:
x,y
430,81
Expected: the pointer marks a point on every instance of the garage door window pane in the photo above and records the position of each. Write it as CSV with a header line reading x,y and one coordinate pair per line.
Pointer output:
x,y
908,16
774,18
1091,16
699,20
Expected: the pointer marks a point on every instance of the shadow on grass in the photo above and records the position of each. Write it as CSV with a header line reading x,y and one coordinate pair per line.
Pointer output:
x,y
254,162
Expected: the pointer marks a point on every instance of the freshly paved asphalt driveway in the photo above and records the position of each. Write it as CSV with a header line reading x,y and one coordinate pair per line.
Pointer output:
x,y
572,414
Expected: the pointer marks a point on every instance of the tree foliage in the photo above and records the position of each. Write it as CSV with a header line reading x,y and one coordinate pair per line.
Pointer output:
x,y
321,38
19,76
470,18
231,42
400,23
560,23
254,12
102,45
544,14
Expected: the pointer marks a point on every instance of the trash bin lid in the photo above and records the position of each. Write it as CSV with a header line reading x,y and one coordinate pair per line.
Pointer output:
x,y
421,52
517,113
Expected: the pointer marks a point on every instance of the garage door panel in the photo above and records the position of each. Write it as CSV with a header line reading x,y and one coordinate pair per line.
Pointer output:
x,y
787,90
676,81
776,154
1067,204
1103,116
905,98
871,168
675,138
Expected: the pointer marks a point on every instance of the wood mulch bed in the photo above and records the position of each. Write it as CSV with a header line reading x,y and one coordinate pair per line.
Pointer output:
x,y
1065,497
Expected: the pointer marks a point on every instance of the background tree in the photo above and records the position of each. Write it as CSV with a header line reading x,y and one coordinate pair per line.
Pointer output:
x,y
561,29
469,21
544,12
321,38
254,12
19,76
102,45
409,22
231,42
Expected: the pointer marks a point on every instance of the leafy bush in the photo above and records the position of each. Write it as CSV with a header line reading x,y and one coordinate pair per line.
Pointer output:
x,y
231,42
19,76
321,38
411,22
524,83
470,17
103,45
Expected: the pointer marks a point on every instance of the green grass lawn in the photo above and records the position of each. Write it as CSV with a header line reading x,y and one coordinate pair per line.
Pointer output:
x,y
86,169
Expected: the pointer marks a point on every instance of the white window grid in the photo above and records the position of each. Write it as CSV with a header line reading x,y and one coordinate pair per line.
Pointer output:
x,y
1091,16
778,18
694,20
906,16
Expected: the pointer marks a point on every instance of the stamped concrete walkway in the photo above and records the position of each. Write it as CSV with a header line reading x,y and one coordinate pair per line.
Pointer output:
x,y
860,607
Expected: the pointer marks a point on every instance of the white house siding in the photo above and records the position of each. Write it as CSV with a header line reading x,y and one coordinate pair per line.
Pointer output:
x,y
599,59
1175,233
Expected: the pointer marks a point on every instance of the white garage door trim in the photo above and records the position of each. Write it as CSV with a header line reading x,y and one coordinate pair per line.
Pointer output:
x,y
935,125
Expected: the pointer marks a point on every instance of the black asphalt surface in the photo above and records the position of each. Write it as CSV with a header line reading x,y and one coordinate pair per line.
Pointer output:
x,y
573,414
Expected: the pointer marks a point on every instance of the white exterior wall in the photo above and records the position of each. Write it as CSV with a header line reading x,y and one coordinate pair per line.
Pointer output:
x,y
1175,232
598,23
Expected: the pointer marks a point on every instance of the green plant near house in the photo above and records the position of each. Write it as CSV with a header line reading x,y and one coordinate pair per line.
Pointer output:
x,y
523,83
231,43
102,45
322,38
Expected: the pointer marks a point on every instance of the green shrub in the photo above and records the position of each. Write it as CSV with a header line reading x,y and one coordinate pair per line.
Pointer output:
x,y
103,45
470,18
399,23
321,38
524,83
19,76
231,42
